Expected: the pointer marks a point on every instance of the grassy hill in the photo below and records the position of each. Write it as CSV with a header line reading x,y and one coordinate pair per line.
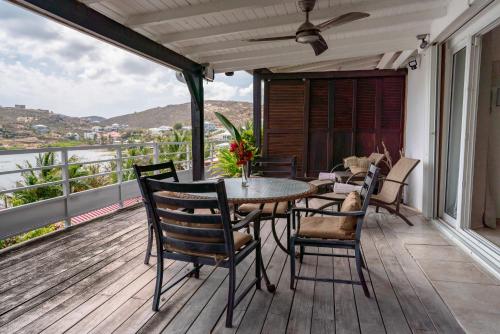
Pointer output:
x,y
237,112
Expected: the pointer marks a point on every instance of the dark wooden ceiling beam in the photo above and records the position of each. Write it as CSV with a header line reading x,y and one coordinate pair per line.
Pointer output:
x,y
334,74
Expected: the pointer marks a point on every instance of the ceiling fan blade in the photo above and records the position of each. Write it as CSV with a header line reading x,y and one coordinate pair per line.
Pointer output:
x,y
319,46
270,39
342,19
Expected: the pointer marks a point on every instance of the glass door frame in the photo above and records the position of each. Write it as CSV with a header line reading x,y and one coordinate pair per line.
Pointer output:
x,y
451,48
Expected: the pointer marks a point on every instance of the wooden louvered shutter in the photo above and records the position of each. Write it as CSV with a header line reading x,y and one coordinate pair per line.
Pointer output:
x,y
392,115
284,120
319,143
366,106
342,119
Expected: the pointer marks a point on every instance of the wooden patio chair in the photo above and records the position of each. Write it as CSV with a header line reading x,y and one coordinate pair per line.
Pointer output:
x,y
200,236
272,167
161,171
341,229
391,189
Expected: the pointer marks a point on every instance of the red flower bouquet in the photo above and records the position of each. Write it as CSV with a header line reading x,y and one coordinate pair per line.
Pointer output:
x,y
242,150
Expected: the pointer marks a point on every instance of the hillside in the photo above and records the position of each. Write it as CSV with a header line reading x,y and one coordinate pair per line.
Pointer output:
x,y
237,112
19,119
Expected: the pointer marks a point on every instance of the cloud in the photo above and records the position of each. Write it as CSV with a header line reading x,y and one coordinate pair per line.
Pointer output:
x,y
46,65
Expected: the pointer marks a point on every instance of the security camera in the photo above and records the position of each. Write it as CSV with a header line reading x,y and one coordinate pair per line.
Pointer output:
x,y
424,42
413,64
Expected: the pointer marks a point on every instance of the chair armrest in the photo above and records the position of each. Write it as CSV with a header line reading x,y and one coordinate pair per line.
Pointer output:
x,y
325,198
389,180
330,213
335,167
251,217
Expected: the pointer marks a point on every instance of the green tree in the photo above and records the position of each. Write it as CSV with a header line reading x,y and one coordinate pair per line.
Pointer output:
x,y
45,174
76,171
177,126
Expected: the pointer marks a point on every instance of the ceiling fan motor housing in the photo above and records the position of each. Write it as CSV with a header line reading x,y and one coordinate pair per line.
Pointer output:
x,y
307,33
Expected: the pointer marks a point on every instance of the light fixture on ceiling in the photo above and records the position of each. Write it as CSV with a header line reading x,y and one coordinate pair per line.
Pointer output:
x,y
413,64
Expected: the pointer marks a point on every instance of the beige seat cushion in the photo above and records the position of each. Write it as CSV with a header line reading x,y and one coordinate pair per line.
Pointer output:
x,y
335,196
358,171
166,194
240,240
350,161
321,183
324,228
267,209
351,203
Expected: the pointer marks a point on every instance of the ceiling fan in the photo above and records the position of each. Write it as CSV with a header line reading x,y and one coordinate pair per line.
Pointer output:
x,y
309,33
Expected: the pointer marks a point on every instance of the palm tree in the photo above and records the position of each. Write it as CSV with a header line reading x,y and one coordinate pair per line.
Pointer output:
x,y
34,177
76,171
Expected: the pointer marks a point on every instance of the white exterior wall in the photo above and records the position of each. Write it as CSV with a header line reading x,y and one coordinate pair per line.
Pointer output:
x,y
418,131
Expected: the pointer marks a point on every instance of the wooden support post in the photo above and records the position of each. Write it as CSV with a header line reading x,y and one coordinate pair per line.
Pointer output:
x,y
195,85
257,112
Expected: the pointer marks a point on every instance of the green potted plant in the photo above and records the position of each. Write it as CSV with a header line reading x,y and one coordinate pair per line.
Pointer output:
x,y
241,148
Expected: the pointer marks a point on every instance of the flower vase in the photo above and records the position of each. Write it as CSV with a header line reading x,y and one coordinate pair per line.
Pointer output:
x,y
244,175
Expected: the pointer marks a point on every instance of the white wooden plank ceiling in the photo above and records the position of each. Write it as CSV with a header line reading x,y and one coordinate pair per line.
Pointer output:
x,y
215,31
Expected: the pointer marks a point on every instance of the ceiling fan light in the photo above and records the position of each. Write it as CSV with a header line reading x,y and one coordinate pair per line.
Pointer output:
x,y
306,38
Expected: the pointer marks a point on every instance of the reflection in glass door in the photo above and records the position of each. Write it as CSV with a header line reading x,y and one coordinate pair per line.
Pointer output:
x,y
454,134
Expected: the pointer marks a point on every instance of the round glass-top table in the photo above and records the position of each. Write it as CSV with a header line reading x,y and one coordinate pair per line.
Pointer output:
x,y
262,190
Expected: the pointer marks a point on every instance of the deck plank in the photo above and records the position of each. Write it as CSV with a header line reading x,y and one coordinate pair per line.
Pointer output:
x,y
64,301
91,279
60,261
436,308
390,309
412,307
213,317
323,316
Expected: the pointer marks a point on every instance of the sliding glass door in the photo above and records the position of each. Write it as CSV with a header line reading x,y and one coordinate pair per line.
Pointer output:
x,y
453,137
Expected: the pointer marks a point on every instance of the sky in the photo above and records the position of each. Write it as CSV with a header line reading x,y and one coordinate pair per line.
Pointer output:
x,y
46,65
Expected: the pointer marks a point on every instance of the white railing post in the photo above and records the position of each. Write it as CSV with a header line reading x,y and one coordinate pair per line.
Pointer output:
x,y
188,157
65,185
119,174
156,153
211,153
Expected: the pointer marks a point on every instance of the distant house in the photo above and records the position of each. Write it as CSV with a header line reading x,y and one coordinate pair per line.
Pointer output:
x,y
224,136
114,135
72,136
209,126
40,128
165,128
20,106
97,128
90,135
187,127
108,128
25,119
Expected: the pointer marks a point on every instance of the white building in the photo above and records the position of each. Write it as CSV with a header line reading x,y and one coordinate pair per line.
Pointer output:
x,y
90,135
40,128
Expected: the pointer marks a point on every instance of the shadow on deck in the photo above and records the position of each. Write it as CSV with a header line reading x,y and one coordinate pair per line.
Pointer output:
x,y
92,279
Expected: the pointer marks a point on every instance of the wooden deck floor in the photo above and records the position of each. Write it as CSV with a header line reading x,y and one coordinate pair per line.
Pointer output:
x,y
92,279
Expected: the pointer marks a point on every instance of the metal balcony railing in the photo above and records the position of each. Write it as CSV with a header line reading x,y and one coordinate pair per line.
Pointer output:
x,y
23,218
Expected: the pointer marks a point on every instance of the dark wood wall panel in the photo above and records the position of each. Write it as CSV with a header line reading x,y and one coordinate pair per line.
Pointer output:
x,y
284,120
323,120
286,105
343,99
318,134
366,113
